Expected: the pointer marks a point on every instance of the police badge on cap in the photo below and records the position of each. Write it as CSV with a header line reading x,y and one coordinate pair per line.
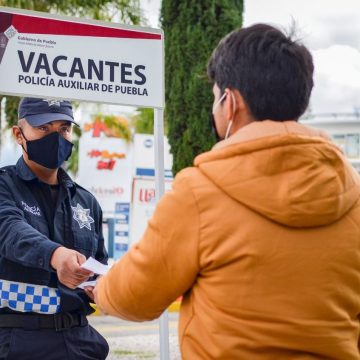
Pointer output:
x,y
38,112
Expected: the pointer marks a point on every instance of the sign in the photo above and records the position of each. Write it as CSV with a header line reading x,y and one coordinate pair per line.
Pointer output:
x,y
105,166
144,160
143,205
77,59
121,238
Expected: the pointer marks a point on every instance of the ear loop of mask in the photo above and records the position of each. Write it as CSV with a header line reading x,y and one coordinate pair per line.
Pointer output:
x,y
231,121
219,101
22,133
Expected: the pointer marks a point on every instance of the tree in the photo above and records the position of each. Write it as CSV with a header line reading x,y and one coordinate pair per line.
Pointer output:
x,y
126,11
143,121
192,30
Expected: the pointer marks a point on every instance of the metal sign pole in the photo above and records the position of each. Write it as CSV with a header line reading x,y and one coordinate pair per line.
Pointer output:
x,y
159,191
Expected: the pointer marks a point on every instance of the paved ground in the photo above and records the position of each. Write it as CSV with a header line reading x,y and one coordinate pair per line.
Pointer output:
x,y
129,340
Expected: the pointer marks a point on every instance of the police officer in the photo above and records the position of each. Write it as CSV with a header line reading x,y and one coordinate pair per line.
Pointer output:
x,y
49,225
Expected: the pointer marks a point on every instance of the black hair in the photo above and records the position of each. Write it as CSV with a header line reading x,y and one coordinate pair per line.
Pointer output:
x,y
273,73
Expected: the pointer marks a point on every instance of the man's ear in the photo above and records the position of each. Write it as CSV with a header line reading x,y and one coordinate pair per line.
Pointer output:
x,y
230,103
234,102
17,134
240,102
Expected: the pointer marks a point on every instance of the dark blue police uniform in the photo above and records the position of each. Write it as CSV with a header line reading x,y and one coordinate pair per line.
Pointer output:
x,y
39,317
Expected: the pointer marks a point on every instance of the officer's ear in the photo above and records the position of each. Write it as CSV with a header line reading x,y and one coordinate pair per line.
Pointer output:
x,y
17,134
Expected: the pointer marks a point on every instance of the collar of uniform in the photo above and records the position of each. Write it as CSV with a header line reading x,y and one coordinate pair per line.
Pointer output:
x,y
66,180
23,171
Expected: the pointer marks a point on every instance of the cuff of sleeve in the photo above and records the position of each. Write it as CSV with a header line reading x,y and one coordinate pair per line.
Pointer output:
x,y
45,255
103,297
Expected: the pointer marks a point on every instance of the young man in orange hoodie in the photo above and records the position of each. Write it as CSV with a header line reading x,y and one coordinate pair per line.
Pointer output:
x,y
262,235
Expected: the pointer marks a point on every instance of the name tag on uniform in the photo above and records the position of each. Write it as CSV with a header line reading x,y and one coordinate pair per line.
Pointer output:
x,y
35,210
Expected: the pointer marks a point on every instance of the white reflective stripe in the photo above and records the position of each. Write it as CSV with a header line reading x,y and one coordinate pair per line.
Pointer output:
x,y
29,297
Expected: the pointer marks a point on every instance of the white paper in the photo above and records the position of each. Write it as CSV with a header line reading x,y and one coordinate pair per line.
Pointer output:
x,y
87,283
95,266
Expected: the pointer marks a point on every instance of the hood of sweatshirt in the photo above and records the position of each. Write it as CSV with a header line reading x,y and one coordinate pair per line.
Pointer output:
x,y
285,171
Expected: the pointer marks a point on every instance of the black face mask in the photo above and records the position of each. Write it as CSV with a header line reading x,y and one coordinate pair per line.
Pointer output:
x,y
50,151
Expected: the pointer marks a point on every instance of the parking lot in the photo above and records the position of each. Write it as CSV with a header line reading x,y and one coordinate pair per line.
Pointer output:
x,y
129,340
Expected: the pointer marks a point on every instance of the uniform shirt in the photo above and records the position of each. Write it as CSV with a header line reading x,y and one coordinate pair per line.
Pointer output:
x,y
29,235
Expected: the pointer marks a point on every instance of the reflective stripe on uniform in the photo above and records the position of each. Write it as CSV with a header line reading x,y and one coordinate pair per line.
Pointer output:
x,y
29,297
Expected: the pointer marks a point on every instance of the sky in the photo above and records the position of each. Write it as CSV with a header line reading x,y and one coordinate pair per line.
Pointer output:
x,y
331,31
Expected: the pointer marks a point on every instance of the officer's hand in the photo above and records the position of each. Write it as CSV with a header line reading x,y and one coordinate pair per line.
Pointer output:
x,y
67,263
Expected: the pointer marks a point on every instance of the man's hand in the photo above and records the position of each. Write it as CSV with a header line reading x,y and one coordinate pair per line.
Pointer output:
x,y
67,263
89,292
94,293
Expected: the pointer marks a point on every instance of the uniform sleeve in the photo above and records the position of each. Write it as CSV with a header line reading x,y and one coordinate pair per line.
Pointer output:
x,y
162,266
19,241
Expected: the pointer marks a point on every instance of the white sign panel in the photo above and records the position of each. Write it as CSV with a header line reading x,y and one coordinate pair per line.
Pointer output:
x,y
144,159
61,57
105,166
143,205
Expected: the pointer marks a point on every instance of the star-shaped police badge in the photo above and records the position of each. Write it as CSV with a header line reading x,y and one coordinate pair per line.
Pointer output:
x,y
82,216
53,102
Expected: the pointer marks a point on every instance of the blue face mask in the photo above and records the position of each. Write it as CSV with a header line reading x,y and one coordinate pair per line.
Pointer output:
x,y
50,151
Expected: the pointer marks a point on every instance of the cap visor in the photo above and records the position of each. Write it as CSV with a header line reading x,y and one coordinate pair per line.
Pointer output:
x,y
41,119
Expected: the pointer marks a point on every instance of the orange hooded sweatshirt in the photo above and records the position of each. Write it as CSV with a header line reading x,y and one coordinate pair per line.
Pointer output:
x,y
262,237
